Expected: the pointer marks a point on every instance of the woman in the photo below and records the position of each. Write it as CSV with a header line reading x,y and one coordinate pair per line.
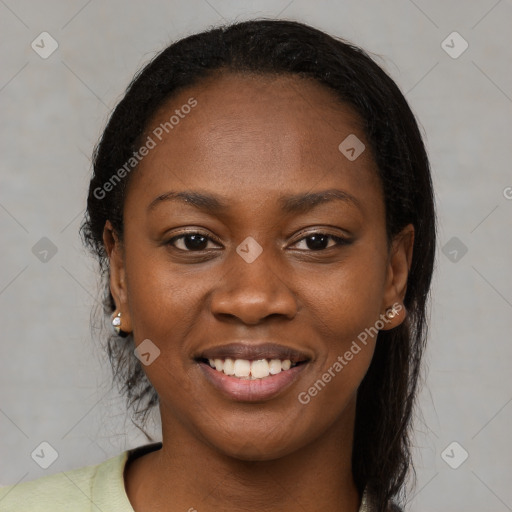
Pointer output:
x,y
262,210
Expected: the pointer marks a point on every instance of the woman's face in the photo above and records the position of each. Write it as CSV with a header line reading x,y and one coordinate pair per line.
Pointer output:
x,y
269,257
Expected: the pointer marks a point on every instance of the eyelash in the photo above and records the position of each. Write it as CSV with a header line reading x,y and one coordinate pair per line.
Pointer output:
x,y
339,241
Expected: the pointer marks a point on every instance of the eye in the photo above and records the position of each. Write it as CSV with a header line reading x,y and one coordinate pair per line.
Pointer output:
x,y
190,242
196,242
320,241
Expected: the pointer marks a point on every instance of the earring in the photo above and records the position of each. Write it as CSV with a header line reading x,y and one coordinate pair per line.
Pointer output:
x,y
116,325
391,313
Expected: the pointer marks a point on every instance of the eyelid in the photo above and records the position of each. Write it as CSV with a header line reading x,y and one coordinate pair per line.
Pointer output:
x,y
339,239
322,230
182,234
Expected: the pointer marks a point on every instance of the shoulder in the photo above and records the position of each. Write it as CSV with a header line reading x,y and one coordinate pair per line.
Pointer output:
x,y
80,487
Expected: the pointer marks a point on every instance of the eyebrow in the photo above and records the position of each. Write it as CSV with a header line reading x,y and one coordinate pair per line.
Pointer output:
x,y
297,203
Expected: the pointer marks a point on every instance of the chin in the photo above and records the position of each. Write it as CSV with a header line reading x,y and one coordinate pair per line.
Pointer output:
x,y
250,447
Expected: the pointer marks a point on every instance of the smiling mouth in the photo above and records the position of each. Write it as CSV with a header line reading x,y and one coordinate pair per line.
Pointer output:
x,y
246,369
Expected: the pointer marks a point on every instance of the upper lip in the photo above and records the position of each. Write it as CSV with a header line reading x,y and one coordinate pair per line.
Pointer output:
x,y
253,351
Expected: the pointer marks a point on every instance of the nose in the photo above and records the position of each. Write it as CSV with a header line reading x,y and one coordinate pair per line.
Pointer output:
x,y
251,292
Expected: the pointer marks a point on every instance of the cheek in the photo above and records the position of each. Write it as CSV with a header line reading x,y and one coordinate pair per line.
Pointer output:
x,y
343,310
164,303
347,299
344,313
163,299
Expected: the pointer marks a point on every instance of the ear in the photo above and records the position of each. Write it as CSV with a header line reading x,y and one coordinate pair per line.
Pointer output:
x,y
115,252
399,264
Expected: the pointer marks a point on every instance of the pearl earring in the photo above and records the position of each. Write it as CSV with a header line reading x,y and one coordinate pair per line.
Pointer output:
x,y
391,313
116,325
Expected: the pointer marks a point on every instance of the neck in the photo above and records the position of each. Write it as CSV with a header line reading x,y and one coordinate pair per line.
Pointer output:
x,y
187,475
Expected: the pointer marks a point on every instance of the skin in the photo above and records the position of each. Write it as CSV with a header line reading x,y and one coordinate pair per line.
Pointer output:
x,y
252,140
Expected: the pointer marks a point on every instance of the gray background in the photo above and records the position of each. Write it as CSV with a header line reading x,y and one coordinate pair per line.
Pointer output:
x,y
54,380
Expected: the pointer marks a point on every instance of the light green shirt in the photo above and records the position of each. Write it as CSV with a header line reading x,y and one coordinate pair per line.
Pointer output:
x,y
98,488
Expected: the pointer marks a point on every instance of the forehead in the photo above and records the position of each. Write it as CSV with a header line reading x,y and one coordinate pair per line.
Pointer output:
x,y
254,135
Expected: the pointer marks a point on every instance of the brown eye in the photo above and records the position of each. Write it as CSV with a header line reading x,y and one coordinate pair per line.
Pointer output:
x,y
190,242
320,241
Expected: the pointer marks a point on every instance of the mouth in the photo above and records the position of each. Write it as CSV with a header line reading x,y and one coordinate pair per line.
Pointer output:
x,y
252,361
252,372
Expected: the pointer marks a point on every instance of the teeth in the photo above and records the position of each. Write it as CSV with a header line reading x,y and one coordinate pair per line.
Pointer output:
x,y
229,367
243,368
275,366
260,369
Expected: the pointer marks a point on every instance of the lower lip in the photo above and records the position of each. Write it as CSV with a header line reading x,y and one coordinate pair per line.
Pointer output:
x,y
249,390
